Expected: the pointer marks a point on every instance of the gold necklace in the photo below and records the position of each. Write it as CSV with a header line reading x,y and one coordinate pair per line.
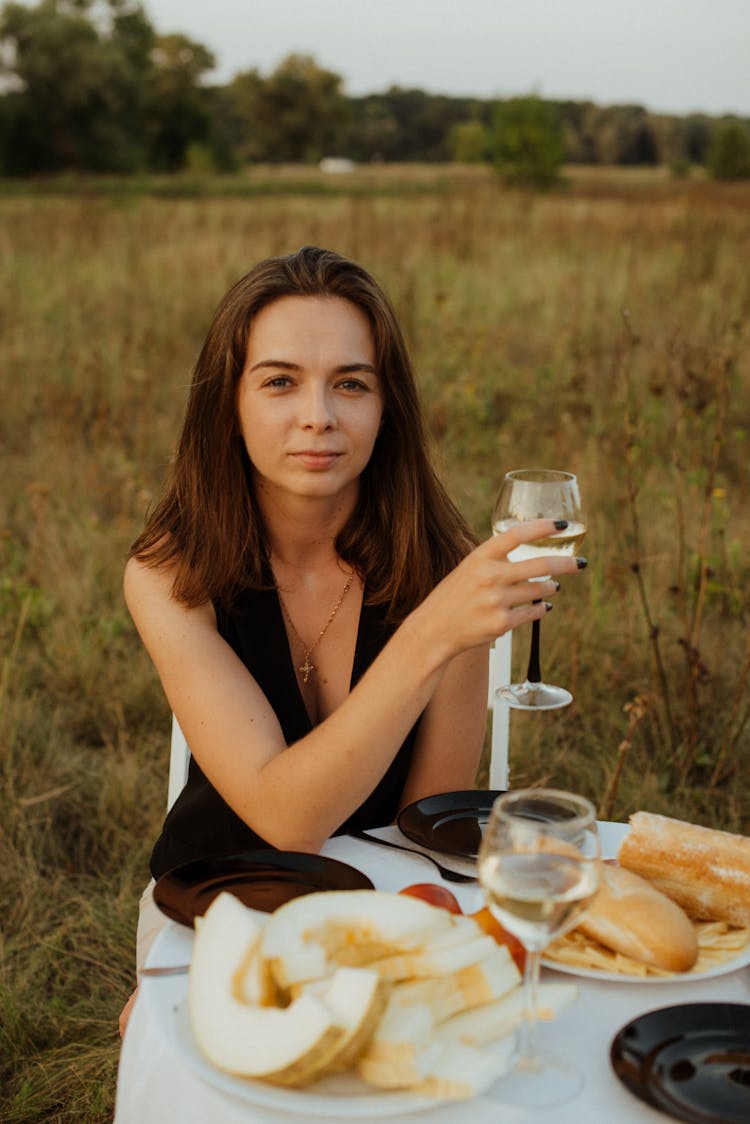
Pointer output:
x,y
308,667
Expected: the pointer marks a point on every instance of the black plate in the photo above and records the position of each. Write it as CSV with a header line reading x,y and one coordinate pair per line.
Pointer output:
x,y
450,822
261,879
690,1061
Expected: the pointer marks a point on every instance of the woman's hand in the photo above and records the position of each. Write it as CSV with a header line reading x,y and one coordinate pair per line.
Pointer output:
x,y
486,595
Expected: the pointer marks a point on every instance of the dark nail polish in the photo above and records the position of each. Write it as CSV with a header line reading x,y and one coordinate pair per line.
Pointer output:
x,y
548,606
556,584
582,563
561,524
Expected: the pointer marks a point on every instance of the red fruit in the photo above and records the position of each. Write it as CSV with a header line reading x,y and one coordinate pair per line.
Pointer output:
x,y
487,921
433,894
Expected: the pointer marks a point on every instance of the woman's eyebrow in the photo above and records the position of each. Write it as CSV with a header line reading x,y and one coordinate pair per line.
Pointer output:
x,y
285,365
349,368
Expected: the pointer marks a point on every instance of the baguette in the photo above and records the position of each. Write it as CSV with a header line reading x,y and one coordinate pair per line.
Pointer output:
x,y
707,872
632,917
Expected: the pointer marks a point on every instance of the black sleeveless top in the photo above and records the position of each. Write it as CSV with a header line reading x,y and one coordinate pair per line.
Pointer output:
x,y
200,823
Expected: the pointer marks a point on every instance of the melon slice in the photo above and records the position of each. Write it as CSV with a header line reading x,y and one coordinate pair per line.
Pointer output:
x,y
400,1051
284,1046
357,997
464,1071
460,930
478,983
434,961
309,936
480,1026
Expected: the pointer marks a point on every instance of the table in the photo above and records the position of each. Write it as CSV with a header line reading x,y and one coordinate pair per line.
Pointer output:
x,y
156,1086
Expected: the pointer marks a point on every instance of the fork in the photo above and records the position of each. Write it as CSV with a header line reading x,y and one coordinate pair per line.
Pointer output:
x,y
445,871
171,970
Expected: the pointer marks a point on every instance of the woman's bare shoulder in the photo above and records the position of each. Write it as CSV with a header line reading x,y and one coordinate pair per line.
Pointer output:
x,y
149,594
144,579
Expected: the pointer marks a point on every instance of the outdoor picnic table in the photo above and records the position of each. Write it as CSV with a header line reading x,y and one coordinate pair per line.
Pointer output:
x,y
156,1083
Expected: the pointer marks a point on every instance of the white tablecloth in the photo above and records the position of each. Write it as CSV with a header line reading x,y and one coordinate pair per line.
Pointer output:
x,y
156,1086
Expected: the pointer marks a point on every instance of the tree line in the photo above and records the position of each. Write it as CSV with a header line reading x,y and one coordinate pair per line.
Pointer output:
x,y
89,85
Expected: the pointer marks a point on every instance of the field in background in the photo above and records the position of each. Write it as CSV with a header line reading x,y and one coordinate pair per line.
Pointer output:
x,y
604,328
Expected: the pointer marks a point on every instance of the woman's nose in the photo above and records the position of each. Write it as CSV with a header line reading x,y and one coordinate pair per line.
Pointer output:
x,y
317,409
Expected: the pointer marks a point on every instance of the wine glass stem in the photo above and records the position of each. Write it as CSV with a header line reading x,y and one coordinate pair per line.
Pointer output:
x,y
527,1053
534,674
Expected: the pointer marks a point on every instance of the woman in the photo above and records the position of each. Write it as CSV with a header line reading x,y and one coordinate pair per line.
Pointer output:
x,y
313,602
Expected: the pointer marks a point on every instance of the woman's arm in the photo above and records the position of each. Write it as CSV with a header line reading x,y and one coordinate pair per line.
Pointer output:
x,y
296,796
451,732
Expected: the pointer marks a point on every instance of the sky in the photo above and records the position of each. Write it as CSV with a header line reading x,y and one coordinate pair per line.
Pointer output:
x,y
672,56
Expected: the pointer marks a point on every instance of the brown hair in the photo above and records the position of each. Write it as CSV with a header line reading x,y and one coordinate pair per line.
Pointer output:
x,y
405,533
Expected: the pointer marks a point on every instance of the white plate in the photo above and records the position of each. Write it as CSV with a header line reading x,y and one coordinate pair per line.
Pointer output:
x,y
611,836
741,960
343,1095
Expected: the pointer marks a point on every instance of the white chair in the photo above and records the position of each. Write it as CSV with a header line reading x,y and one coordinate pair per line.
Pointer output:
x,y
179,761
179,758
500,655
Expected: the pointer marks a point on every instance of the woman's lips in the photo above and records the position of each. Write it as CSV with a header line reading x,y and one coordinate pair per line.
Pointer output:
x,y
316,460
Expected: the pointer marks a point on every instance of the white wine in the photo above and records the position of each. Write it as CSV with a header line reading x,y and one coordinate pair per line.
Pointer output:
x,y
565,542
537,895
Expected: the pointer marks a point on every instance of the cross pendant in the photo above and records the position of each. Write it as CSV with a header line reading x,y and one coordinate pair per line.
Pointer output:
x,y
306,668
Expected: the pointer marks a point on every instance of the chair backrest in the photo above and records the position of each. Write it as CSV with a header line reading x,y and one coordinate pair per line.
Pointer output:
x,y
179,762
500,654
179,758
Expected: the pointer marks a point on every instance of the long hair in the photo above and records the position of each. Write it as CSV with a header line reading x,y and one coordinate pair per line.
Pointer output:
x,y
404,535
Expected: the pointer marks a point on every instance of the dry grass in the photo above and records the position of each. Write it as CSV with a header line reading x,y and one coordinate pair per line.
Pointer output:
x,y
603,328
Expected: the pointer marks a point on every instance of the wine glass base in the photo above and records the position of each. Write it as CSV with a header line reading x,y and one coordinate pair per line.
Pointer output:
x,y
540,1082
534,696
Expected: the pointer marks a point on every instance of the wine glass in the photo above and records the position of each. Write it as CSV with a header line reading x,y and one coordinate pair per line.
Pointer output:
x,y
539,493
539,869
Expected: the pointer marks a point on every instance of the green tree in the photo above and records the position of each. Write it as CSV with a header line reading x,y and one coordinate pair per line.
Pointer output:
x,y
76,80
729,155
412,124
178,111
298,113
90,86
528,142
468,142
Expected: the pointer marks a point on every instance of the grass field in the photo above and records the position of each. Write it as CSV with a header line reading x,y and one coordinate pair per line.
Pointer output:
x,y
603,328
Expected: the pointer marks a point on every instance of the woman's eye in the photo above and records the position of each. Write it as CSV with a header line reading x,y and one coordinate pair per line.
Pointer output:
x,y
278,381
353,384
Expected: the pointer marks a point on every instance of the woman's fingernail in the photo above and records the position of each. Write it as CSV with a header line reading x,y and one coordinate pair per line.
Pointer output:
x,y
582,563
560,524
548,606
556,584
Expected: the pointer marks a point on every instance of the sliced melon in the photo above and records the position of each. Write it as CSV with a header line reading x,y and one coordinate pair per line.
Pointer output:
x,y
428,961
483,982
399,1053
308,936
464,1071
460,930
278,1045
480,1026
254,982
357,997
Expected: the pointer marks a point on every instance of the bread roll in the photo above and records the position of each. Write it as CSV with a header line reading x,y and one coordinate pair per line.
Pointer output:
x,y
632,917
707,872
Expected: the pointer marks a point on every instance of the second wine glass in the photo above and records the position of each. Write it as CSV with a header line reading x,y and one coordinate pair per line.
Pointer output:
x,y
539,493
539,869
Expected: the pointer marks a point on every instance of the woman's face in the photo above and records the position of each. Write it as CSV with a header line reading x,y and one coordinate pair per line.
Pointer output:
x,y
309,399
